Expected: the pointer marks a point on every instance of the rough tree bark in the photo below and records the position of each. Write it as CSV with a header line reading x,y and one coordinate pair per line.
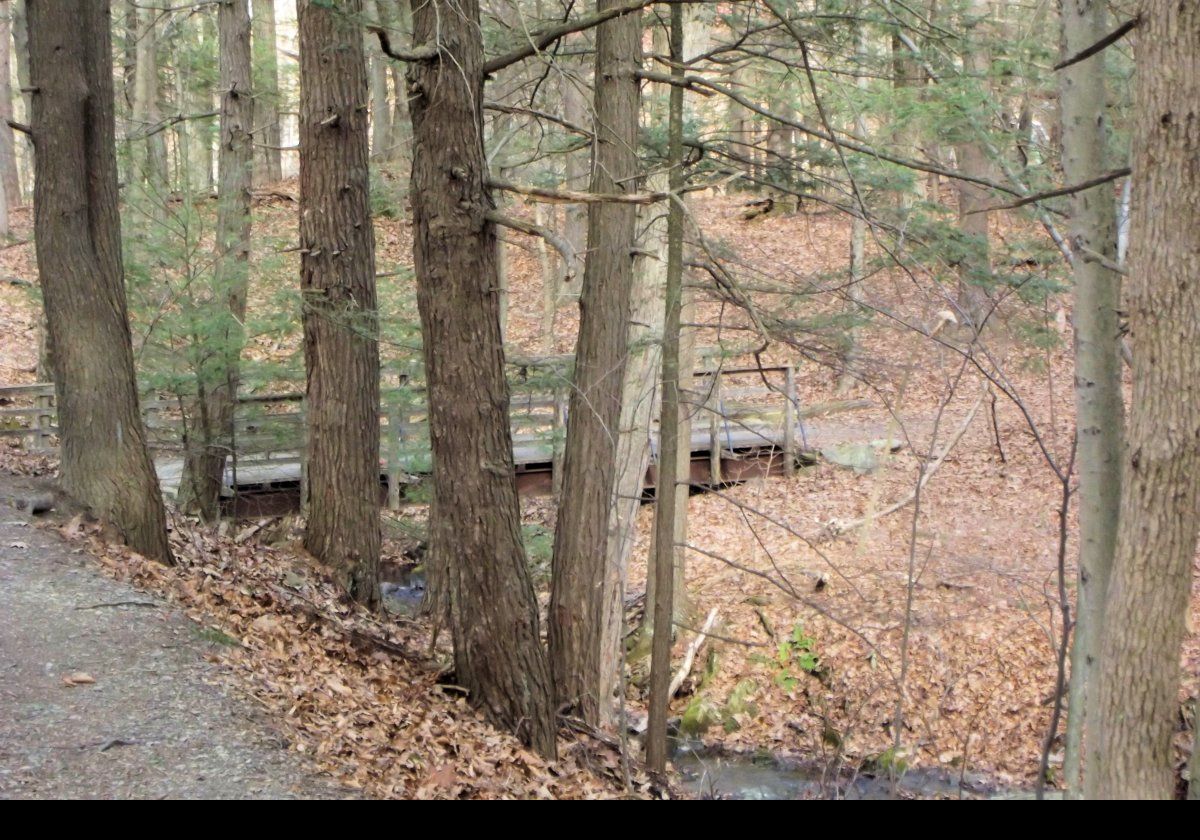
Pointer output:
x,y
852,361
8,148
20,34
1156,537
381,109
575,177
476,554
337,282
640,393
150,157
395,16
217,377
663,565
268,159
77,229
584,593
975,268
1099,409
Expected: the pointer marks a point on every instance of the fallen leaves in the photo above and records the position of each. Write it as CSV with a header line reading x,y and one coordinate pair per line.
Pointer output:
x,y
358,696
78,678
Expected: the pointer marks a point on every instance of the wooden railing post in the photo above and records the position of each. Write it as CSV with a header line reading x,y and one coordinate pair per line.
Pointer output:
x,y
789,421
44,420
714,428
393,456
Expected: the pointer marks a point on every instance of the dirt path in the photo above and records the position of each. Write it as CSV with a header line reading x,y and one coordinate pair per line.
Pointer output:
x,y
150,725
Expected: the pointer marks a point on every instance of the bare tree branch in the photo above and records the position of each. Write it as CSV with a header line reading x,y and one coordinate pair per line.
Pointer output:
x,y
578,197
538,41
426,52
1107,41
557,242
1055,193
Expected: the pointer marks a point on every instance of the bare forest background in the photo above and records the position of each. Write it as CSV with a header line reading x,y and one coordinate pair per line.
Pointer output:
x,y
561,400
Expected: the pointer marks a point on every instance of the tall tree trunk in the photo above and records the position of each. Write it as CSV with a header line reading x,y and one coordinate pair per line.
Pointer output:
x,y
20,32
640,393
8,149
77,230
337,281
908,83
852,361
584,593
1156,536
200,100
217,377
268,159
975,268
576,169
381,109
663,566
150,152
395,15
476,553
1099,409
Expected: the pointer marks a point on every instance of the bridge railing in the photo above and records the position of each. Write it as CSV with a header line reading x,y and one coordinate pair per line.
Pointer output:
x,y
734,409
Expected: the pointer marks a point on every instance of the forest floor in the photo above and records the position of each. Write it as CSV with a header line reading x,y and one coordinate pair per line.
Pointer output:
x,y
109,692
947,610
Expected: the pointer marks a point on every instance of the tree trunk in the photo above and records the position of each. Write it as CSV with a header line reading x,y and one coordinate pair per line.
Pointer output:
x,y
851,374
150,152
217,377
476,553
975,269
8,150
576,168
104,464
268,159
200,100
552,273
641,394
381,109
663,566
20,33
1099,409
395,15
1156,536
584,593
337,281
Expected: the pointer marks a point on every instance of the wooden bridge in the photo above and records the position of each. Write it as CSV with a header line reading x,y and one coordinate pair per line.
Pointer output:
x,y
746,421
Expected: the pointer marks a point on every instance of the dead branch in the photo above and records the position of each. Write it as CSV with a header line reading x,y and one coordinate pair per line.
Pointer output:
x,y
1107,41
1069,190
575,196
557,242
689,658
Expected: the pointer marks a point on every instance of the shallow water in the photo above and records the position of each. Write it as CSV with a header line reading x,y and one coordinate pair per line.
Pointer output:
x,y
724,776
404,590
